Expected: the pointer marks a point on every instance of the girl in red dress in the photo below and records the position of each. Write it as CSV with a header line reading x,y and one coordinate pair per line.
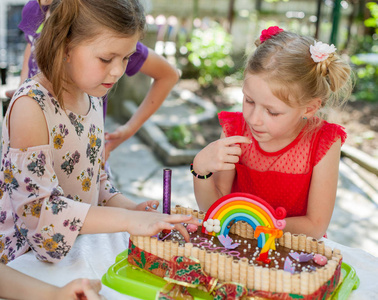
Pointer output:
x,y
279,148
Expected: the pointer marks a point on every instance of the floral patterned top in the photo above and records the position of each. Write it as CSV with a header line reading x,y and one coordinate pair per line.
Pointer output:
x,y
46,191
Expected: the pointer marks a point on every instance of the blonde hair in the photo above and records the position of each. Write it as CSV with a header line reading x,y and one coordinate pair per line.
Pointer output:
x,y
73,22
285,62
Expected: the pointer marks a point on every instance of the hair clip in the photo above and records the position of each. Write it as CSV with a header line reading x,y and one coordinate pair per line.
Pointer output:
x,y
320,51
266,34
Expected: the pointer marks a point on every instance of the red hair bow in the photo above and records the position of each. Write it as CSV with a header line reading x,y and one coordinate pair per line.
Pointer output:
x,y
266,34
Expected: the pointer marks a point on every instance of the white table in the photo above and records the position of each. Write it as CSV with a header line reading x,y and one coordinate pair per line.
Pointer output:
x,y
92,255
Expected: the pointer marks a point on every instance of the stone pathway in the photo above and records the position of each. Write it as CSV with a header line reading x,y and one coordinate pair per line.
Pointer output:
x,y
139,175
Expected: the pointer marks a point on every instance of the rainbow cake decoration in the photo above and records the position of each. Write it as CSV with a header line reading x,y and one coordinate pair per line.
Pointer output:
x,y
260,215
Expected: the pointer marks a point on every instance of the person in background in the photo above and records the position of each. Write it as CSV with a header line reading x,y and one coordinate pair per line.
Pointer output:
x,y
277,148
144,60
52,181
16,285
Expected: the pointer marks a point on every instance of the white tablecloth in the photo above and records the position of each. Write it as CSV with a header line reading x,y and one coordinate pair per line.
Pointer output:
x,y
92,255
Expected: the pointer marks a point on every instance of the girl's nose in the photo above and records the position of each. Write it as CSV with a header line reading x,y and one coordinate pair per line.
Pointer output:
x,y
256,117
118,70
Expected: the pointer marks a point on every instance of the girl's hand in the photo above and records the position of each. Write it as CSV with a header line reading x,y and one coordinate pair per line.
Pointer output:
x,y
81,289
220,155
151,223
150,205
115,138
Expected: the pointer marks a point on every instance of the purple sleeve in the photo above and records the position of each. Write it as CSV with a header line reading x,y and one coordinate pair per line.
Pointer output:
x,y
137,60
32,18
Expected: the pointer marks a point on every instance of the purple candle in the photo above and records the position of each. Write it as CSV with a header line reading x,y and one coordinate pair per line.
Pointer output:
x,y
167,175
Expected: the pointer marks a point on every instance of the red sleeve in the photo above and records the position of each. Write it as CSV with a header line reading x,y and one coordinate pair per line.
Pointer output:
x,y
328,135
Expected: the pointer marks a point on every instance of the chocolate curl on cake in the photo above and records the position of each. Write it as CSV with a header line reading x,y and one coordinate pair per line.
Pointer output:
x,y
235,274
243,271
214,264
314,245
202,256
250,277
308,244
258,271
295,242
250,232
228,269
221,266
174,248
279,281
295,283
272,280
188,249
265,279
208,261
160,248
286,282
243,229
321,247
140,242
167,175
302,242
287,239
147,243
328,252
195,252
181,250
154,241
305,277
167,250
311,283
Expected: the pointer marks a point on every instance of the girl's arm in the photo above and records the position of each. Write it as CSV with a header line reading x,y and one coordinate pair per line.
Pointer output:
x,y
103,219
165,76
25,63
16,285
219,158
322,196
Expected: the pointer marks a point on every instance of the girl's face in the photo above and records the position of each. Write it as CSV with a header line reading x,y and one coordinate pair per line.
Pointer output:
x,y
273,123
95,66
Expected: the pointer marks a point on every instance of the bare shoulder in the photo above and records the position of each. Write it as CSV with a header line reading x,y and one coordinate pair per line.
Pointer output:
x,y
27,124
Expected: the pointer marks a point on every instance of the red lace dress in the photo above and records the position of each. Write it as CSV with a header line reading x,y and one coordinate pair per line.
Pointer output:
x,y
281,178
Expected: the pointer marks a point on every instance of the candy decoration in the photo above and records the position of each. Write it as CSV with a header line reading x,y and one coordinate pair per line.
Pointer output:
x,y
227,242
167,175
191,227
320,259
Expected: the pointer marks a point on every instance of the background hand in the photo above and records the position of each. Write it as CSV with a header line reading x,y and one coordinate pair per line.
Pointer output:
x,y
115,138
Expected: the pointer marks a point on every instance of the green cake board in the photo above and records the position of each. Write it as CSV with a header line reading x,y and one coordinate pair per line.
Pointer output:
x,y
127,279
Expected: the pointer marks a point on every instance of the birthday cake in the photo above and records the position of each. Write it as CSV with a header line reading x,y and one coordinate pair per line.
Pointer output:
x,y
240,251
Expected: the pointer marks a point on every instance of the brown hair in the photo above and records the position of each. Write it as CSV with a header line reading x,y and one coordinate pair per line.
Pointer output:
x,y
73,22
285,62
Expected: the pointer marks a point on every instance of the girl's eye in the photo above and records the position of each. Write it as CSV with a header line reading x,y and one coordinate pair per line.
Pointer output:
x,y
106,61
273,114
249,101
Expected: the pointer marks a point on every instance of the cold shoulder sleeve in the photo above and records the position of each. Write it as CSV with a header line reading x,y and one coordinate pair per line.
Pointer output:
x,y
47,220
231,122
328,135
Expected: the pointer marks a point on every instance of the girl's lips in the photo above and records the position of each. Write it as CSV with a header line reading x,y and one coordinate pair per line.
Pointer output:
x,y
108,85
256,132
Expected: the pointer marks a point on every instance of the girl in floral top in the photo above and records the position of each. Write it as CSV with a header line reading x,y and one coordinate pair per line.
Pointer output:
x,y
52,181
277,149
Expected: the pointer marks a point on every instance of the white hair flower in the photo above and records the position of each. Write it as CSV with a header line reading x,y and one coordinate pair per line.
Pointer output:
x,y
320,51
